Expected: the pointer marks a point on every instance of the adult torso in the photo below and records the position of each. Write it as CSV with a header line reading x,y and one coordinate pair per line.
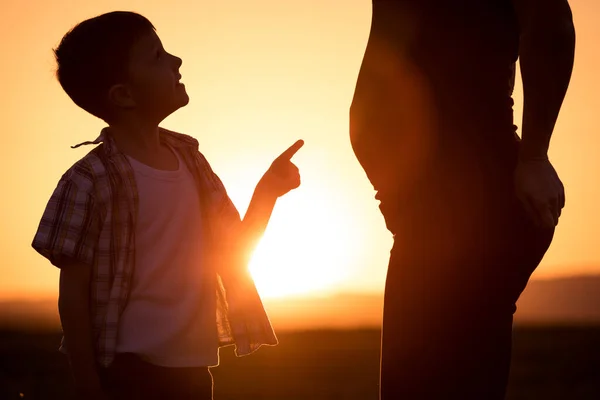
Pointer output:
x,y
436,82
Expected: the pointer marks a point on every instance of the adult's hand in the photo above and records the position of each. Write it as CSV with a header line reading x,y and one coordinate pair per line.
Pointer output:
x,y
540,190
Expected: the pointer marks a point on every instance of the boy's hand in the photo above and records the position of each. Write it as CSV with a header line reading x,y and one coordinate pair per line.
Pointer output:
x,y
282,176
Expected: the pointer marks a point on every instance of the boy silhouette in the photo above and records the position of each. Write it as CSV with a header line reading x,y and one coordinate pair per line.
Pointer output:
x,y
151,250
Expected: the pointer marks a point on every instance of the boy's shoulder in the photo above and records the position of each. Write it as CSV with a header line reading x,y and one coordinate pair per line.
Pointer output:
x,y
181,140
88,169
177,139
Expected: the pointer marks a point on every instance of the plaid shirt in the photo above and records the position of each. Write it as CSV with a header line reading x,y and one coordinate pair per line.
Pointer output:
x,y
91,218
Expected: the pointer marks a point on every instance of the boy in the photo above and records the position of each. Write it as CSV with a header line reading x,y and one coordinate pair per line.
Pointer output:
x,y
151,250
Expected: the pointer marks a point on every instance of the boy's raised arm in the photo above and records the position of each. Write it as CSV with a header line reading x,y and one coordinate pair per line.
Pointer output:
x,y
281,177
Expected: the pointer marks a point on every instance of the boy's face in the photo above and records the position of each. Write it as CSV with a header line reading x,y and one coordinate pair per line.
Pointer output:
x,y
154,79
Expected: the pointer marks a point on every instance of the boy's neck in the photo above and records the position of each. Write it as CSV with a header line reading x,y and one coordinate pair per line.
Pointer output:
x,y
132,138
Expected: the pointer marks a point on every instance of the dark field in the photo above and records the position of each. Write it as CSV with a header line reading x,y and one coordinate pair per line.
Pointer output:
x,y
548,363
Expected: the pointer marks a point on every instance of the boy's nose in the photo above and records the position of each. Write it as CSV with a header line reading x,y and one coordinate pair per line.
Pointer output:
x,y
177,61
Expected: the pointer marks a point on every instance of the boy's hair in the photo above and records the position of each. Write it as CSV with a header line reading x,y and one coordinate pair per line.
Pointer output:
x,y
94,55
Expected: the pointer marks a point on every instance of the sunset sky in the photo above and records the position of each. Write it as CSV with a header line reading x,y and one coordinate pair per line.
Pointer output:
x,y
261,74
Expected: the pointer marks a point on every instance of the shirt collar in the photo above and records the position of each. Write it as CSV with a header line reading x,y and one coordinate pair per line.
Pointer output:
x,y
171,138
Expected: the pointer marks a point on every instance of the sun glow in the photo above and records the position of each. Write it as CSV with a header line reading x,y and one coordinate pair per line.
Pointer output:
x,y
302,253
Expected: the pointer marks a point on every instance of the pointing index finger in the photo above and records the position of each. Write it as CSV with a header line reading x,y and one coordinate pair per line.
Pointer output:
x,y
293,149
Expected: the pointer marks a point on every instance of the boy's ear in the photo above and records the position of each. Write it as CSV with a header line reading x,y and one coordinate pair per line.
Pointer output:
x,y
120,96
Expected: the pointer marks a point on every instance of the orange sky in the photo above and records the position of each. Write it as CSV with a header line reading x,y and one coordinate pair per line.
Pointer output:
x,y
261,74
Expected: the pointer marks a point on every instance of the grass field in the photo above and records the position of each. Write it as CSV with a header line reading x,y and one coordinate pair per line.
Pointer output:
x,y
548,364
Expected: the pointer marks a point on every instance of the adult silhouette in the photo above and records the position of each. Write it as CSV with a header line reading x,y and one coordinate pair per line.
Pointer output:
x,y
472,206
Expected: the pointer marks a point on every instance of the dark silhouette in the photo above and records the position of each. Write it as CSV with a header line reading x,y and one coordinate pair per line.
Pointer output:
x,y
151,250
471,206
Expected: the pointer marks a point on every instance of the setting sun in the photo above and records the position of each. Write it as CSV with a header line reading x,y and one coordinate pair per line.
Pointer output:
x,y
305,252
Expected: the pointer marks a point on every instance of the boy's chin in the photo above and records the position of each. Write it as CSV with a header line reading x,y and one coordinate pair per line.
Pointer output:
x,y
185,101
175,104
181,102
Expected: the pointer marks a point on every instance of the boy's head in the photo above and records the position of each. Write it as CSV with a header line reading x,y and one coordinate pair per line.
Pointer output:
x,y
114,67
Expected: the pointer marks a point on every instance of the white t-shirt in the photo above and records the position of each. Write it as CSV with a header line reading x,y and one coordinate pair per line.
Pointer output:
x,y
170,318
